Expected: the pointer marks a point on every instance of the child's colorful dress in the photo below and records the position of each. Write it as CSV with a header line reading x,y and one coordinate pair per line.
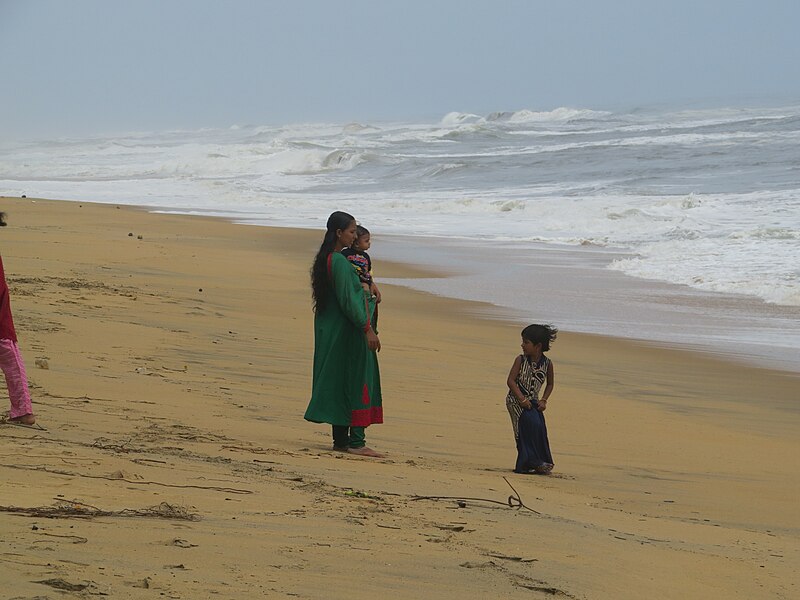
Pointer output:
x,y
530,429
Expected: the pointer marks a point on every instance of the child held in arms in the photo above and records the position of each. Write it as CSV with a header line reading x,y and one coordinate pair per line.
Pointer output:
x,y
357,254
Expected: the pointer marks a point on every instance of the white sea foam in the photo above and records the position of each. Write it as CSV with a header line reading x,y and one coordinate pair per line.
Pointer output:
x,y
456,118
707,198
559,114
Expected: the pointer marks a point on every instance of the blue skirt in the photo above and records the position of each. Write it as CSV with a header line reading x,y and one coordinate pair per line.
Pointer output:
x,y
533,447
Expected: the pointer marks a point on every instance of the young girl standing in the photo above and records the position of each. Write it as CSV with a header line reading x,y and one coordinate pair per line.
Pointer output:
x,y
530,371
10,359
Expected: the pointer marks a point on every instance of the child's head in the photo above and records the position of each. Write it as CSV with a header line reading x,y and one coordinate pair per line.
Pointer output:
x,y
3,219
538,334
362,239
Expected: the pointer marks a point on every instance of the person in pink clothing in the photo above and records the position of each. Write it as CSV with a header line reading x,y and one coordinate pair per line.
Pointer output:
x,y
10,359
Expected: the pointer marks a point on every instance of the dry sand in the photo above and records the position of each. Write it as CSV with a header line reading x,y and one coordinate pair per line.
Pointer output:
x,y
173,460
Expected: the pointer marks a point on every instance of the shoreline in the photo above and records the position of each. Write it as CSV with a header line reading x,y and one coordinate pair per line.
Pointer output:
x,y
399,273
179,368
571,286
730,327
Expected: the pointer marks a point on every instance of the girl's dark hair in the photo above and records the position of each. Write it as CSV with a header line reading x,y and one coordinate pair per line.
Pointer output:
x,y
3,219
540,334
320,290
360,232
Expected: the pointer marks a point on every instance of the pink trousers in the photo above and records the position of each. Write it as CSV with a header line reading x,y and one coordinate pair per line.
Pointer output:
x,y
16,379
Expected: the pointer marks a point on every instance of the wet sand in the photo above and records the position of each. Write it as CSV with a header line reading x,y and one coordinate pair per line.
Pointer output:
x,y
171,458
574,287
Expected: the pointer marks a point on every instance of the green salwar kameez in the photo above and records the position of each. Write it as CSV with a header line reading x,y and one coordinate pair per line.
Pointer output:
x,y
346,388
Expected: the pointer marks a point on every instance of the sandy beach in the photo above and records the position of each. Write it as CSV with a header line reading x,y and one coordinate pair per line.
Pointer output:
x,y
170,358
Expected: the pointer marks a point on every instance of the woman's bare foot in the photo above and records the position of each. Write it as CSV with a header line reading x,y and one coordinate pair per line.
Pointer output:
x,y
24,420
365,451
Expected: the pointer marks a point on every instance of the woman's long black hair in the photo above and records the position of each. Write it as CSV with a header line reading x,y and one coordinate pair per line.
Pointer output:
x,y
320,290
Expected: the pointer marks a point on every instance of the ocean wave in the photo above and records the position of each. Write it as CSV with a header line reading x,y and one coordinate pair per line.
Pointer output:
x,y
452,119
563,114
466,132
522,117
445,168
768,233
751,265
689,140
656,184
358,128
509,205
312,161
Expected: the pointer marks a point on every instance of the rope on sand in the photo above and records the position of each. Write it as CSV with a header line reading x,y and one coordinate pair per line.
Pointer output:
x,y
513,501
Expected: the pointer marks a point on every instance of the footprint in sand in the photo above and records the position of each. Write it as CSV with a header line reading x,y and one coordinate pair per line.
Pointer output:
x,y
181,543
125,475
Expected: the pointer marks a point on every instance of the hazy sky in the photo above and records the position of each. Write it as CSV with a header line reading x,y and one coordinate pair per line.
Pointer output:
x,y
112,65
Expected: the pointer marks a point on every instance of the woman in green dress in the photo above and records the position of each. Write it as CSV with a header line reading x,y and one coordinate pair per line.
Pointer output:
x,y
346,390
